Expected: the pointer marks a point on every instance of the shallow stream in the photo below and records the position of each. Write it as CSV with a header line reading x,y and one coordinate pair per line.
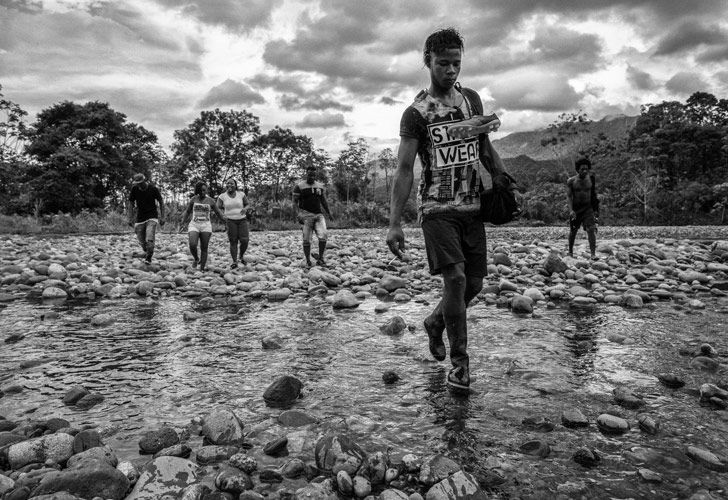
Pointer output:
x,y
153,367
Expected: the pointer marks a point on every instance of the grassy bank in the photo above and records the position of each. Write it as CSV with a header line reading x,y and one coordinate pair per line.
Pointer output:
x,y
116,223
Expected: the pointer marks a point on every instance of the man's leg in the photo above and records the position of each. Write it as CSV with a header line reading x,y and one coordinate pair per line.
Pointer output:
x,y
150,236
141,234
321,234
453,312
194,237
307,230
572,239
591,234
435,323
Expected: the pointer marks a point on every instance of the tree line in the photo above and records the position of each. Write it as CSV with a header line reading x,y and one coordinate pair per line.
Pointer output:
x,y
77,157
670,168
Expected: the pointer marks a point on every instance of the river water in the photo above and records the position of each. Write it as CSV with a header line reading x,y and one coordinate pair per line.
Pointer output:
x,y
153,367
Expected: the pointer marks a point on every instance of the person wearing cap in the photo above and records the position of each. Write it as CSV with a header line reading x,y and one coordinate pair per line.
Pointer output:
x,y
583,205
308,197
143,200
234,202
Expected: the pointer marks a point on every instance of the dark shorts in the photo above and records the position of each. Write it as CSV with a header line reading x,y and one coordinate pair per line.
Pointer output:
x,y
585,219
237,230
454,238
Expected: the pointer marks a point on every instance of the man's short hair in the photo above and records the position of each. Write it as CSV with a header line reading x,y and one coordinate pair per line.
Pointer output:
x,y
447,38
582,161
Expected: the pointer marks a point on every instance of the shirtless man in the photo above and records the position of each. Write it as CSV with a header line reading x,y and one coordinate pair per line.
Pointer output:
x,y
584,205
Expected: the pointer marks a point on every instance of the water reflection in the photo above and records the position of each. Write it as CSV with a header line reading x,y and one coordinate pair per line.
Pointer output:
x,y
581,331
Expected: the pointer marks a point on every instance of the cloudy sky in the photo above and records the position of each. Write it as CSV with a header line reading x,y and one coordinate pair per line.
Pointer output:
x,y
337,70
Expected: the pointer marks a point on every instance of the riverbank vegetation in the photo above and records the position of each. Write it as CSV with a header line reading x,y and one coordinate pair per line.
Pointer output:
x,y
70,169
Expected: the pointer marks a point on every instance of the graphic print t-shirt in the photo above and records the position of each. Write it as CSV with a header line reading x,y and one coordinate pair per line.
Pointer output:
x,y
450,179
201,211
309,196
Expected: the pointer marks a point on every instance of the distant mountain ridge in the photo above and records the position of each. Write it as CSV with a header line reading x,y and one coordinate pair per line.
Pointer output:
x,y
529,143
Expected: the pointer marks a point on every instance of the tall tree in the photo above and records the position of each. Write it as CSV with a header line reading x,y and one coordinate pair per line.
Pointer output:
x,y
280,152
12,161
213,148
84,155
350,175
387,164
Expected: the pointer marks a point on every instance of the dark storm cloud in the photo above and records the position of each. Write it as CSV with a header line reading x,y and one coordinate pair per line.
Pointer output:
x,y
353,43
580,52
280,83
136,23
27,6
232,14
322,120
688,36
318,103
640,79
714,54
69,44
534,91
685,83
231,93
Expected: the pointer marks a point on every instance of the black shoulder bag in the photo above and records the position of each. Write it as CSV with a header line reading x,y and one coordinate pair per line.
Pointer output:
x,y
498,205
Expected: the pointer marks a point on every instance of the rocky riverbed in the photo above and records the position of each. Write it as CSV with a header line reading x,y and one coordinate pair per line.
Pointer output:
x,y
594,378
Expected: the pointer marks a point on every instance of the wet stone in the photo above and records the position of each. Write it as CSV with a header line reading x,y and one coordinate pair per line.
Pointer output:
x,y
648,424
626,398
586,457
610,424
574,418
535,448
707,459
277,447
670,380
539,424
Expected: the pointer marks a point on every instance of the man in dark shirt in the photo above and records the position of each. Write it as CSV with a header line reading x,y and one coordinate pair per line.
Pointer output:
x,y
308,197
146,197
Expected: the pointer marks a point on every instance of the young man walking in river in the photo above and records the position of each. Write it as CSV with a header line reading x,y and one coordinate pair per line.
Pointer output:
x,y
308,197
448,195
583,205
146,197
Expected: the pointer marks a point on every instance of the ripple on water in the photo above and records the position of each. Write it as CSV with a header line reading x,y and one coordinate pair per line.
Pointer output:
x,y
154,367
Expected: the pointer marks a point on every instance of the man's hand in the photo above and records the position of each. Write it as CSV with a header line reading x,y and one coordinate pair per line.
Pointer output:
x,y
395,241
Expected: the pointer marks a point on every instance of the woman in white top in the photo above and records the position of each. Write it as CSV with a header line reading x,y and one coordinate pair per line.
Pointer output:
x,y
200,228
234,203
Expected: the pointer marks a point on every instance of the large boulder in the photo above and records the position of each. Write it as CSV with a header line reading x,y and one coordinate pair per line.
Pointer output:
x,y
222,426
344,299
554,264
157,440
283,391
391,283
336,449
87,479
164,476
56,448
436,468
459,486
